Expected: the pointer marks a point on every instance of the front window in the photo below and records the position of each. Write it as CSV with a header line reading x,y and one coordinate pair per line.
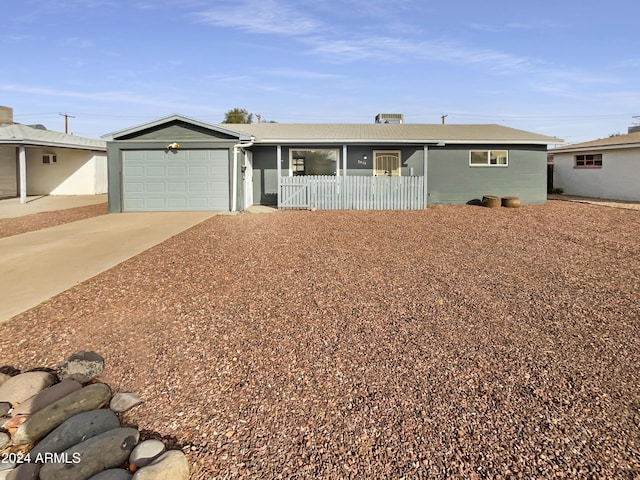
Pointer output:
x,y
314,162
478,158
589,161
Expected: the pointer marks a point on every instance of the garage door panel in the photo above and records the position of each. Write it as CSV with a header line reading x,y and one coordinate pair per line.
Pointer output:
x,y
155,188
186,180
133,187
177,187
156,171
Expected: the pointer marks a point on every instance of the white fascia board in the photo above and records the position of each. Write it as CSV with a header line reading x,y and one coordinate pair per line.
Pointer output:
x,y
596,148
36,143
351,141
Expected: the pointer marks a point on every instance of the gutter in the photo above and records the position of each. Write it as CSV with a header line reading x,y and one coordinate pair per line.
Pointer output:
x,y
234,181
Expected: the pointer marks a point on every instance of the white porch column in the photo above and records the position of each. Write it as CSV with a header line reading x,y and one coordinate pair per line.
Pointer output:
x,y
22,166
425,160
344,160
279,162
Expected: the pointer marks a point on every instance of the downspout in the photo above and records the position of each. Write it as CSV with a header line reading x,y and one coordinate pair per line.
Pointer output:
x,y
234,187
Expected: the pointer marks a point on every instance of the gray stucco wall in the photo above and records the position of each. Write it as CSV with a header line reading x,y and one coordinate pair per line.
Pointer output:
x,y
450,179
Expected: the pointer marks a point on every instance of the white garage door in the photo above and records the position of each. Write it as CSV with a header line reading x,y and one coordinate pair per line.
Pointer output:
x,y
158,180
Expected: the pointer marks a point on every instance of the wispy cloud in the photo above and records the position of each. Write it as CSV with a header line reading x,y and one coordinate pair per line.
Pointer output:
x,y
77,42
398,49
260,16
121,97
302,74
628,63
512,26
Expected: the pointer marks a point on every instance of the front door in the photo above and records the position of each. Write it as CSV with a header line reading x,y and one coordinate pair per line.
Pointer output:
x,y
386,163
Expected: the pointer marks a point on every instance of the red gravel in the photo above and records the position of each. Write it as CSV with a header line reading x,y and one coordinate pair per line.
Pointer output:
x,y
457,342
37,221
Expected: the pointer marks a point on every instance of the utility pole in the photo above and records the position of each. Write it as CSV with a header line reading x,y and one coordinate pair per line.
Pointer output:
x,y
259,117
66,121
443,117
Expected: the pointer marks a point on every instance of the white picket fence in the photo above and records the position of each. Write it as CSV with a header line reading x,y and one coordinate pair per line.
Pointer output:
x,y
326,192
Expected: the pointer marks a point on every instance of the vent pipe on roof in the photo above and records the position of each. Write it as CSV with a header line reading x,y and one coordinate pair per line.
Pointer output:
x,y
6,115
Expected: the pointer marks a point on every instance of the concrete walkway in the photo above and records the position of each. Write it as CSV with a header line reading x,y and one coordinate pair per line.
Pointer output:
x,y
38,265
11,207
602,202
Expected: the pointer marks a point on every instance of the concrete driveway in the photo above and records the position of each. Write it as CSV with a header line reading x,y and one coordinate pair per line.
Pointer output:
x,y
11,207
38,265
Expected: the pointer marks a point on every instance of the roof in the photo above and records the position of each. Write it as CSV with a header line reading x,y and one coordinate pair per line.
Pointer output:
x,y
301,133
18,134
630,140
389,133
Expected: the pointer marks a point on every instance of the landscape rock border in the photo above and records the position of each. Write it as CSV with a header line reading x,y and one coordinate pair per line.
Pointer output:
x,y
62,424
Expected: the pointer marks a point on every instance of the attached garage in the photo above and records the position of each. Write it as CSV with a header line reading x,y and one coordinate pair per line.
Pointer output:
x,y
176,163
175,180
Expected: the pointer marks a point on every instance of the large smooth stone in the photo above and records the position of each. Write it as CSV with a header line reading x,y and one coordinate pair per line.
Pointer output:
x,y
4,377
121,402
25,385
46,397
77,429
39,424
171,465
4,440
4,408
107,450
113,474
146,452
81,366
5,473
26,471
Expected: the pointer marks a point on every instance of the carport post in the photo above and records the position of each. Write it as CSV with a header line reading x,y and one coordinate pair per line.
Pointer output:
x,y
279,162
22,161
425,166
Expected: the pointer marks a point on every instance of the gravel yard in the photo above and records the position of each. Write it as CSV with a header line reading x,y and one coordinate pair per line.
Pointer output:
x,y
29,223
456,342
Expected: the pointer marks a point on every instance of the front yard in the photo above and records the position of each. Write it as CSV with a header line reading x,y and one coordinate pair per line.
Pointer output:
x,y
456,342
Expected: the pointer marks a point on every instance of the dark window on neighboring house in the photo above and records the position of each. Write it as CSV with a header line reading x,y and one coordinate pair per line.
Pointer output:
x,y
590,160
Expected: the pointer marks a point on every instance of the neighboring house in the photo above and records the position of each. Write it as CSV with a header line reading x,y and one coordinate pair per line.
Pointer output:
x,y
36,161
179,163
604,168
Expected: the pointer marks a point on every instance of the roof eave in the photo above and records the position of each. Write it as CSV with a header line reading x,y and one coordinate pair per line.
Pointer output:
x,y
40,143
619,146
428,142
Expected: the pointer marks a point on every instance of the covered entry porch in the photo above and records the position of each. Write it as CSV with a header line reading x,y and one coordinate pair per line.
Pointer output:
x,y
341,177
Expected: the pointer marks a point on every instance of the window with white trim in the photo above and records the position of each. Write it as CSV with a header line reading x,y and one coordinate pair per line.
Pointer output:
x,y
314,161
588,160
489,158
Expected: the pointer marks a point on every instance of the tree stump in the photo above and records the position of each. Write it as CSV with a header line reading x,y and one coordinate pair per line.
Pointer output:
x,y
490,201
511,202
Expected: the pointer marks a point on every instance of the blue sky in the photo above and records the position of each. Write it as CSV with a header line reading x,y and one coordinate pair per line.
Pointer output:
x,y
565,68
